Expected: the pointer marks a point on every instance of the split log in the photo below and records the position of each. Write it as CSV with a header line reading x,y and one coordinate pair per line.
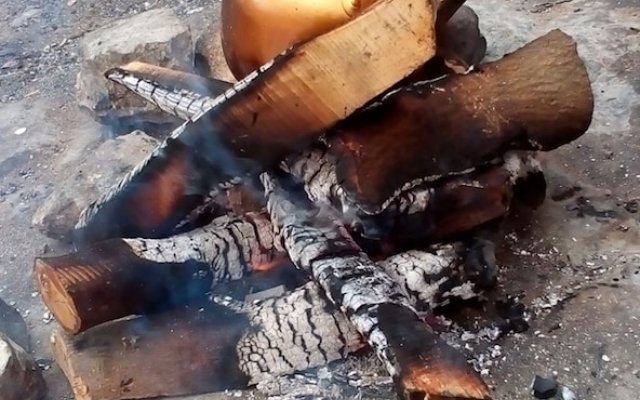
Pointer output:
x,y
276,110
537,98
421,364
407,215
218,348
121,277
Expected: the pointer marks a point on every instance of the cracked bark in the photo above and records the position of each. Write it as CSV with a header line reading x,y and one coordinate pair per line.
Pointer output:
x,y
237,345
421,365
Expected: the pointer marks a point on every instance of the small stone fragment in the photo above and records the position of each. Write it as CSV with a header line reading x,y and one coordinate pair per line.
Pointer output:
x,y
544,388
156,37
632,206
20,377
567,394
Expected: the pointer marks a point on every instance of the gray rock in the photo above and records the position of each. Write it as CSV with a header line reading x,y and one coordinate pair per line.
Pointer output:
x,y
88,174
157,37
12,325
20,377
210,58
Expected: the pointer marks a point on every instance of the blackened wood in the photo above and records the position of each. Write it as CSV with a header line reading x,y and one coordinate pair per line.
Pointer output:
x,y
121,277
432,211
536,98
187,351
276,110
179,94
422,365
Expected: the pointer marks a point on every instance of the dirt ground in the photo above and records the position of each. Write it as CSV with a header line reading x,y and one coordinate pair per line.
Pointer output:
x,y
576,259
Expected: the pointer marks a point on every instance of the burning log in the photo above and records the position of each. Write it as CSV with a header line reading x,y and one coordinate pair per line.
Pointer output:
x,y
412,214
121,277
432,211
367,177
95,284
240,347
271,113
422,365
174,92
537,98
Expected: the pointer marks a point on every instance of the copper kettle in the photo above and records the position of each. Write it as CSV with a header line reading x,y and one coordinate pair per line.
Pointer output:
x,y
255,31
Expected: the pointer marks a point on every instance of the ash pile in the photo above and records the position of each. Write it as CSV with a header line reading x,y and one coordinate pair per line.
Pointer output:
x,y
335,202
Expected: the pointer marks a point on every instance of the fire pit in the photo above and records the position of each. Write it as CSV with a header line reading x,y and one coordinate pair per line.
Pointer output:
x,y
354,177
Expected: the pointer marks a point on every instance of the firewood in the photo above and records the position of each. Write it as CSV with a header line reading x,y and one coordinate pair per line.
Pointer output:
x,y
176,93
430,212
537,98
121,277
421,364
276,110
226,348
197,351
407,214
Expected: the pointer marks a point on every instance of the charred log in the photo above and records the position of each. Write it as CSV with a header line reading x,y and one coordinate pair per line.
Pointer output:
x,y
433,211
421,365
121,277
276,110
537,98
236,347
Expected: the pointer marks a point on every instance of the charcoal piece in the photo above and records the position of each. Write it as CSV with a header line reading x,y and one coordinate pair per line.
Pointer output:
x,y
480,263
513,316
544,388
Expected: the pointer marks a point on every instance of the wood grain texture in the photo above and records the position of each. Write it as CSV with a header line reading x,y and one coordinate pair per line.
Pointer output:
x,y
537,98
121,277
232,345
375,304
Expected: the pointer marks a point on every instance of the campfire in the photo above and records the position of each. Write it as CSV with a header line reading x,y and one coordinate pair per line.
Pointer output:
x,y
352,171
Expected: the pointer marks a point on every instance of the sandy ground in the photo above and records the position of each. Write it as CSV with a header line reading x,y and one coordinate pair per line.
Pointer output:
x,y
577,260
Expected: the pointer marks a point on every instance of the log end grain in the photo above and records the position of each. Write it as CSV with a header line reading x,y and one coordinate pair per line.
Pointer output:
x,y
430,369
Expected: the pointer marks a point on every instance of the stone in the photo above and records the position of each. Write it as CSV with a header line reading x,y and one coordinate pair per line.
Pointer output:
x,y
89,174
20,377
156,37
566,394
12,325
544,388
210,59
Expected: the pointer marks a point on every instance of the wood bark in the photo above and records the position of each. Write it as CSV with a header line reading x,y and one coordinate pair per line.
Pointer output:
x,y
431,212
407,215
537,98
191,351
276,110
177,93
121,277
422,365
